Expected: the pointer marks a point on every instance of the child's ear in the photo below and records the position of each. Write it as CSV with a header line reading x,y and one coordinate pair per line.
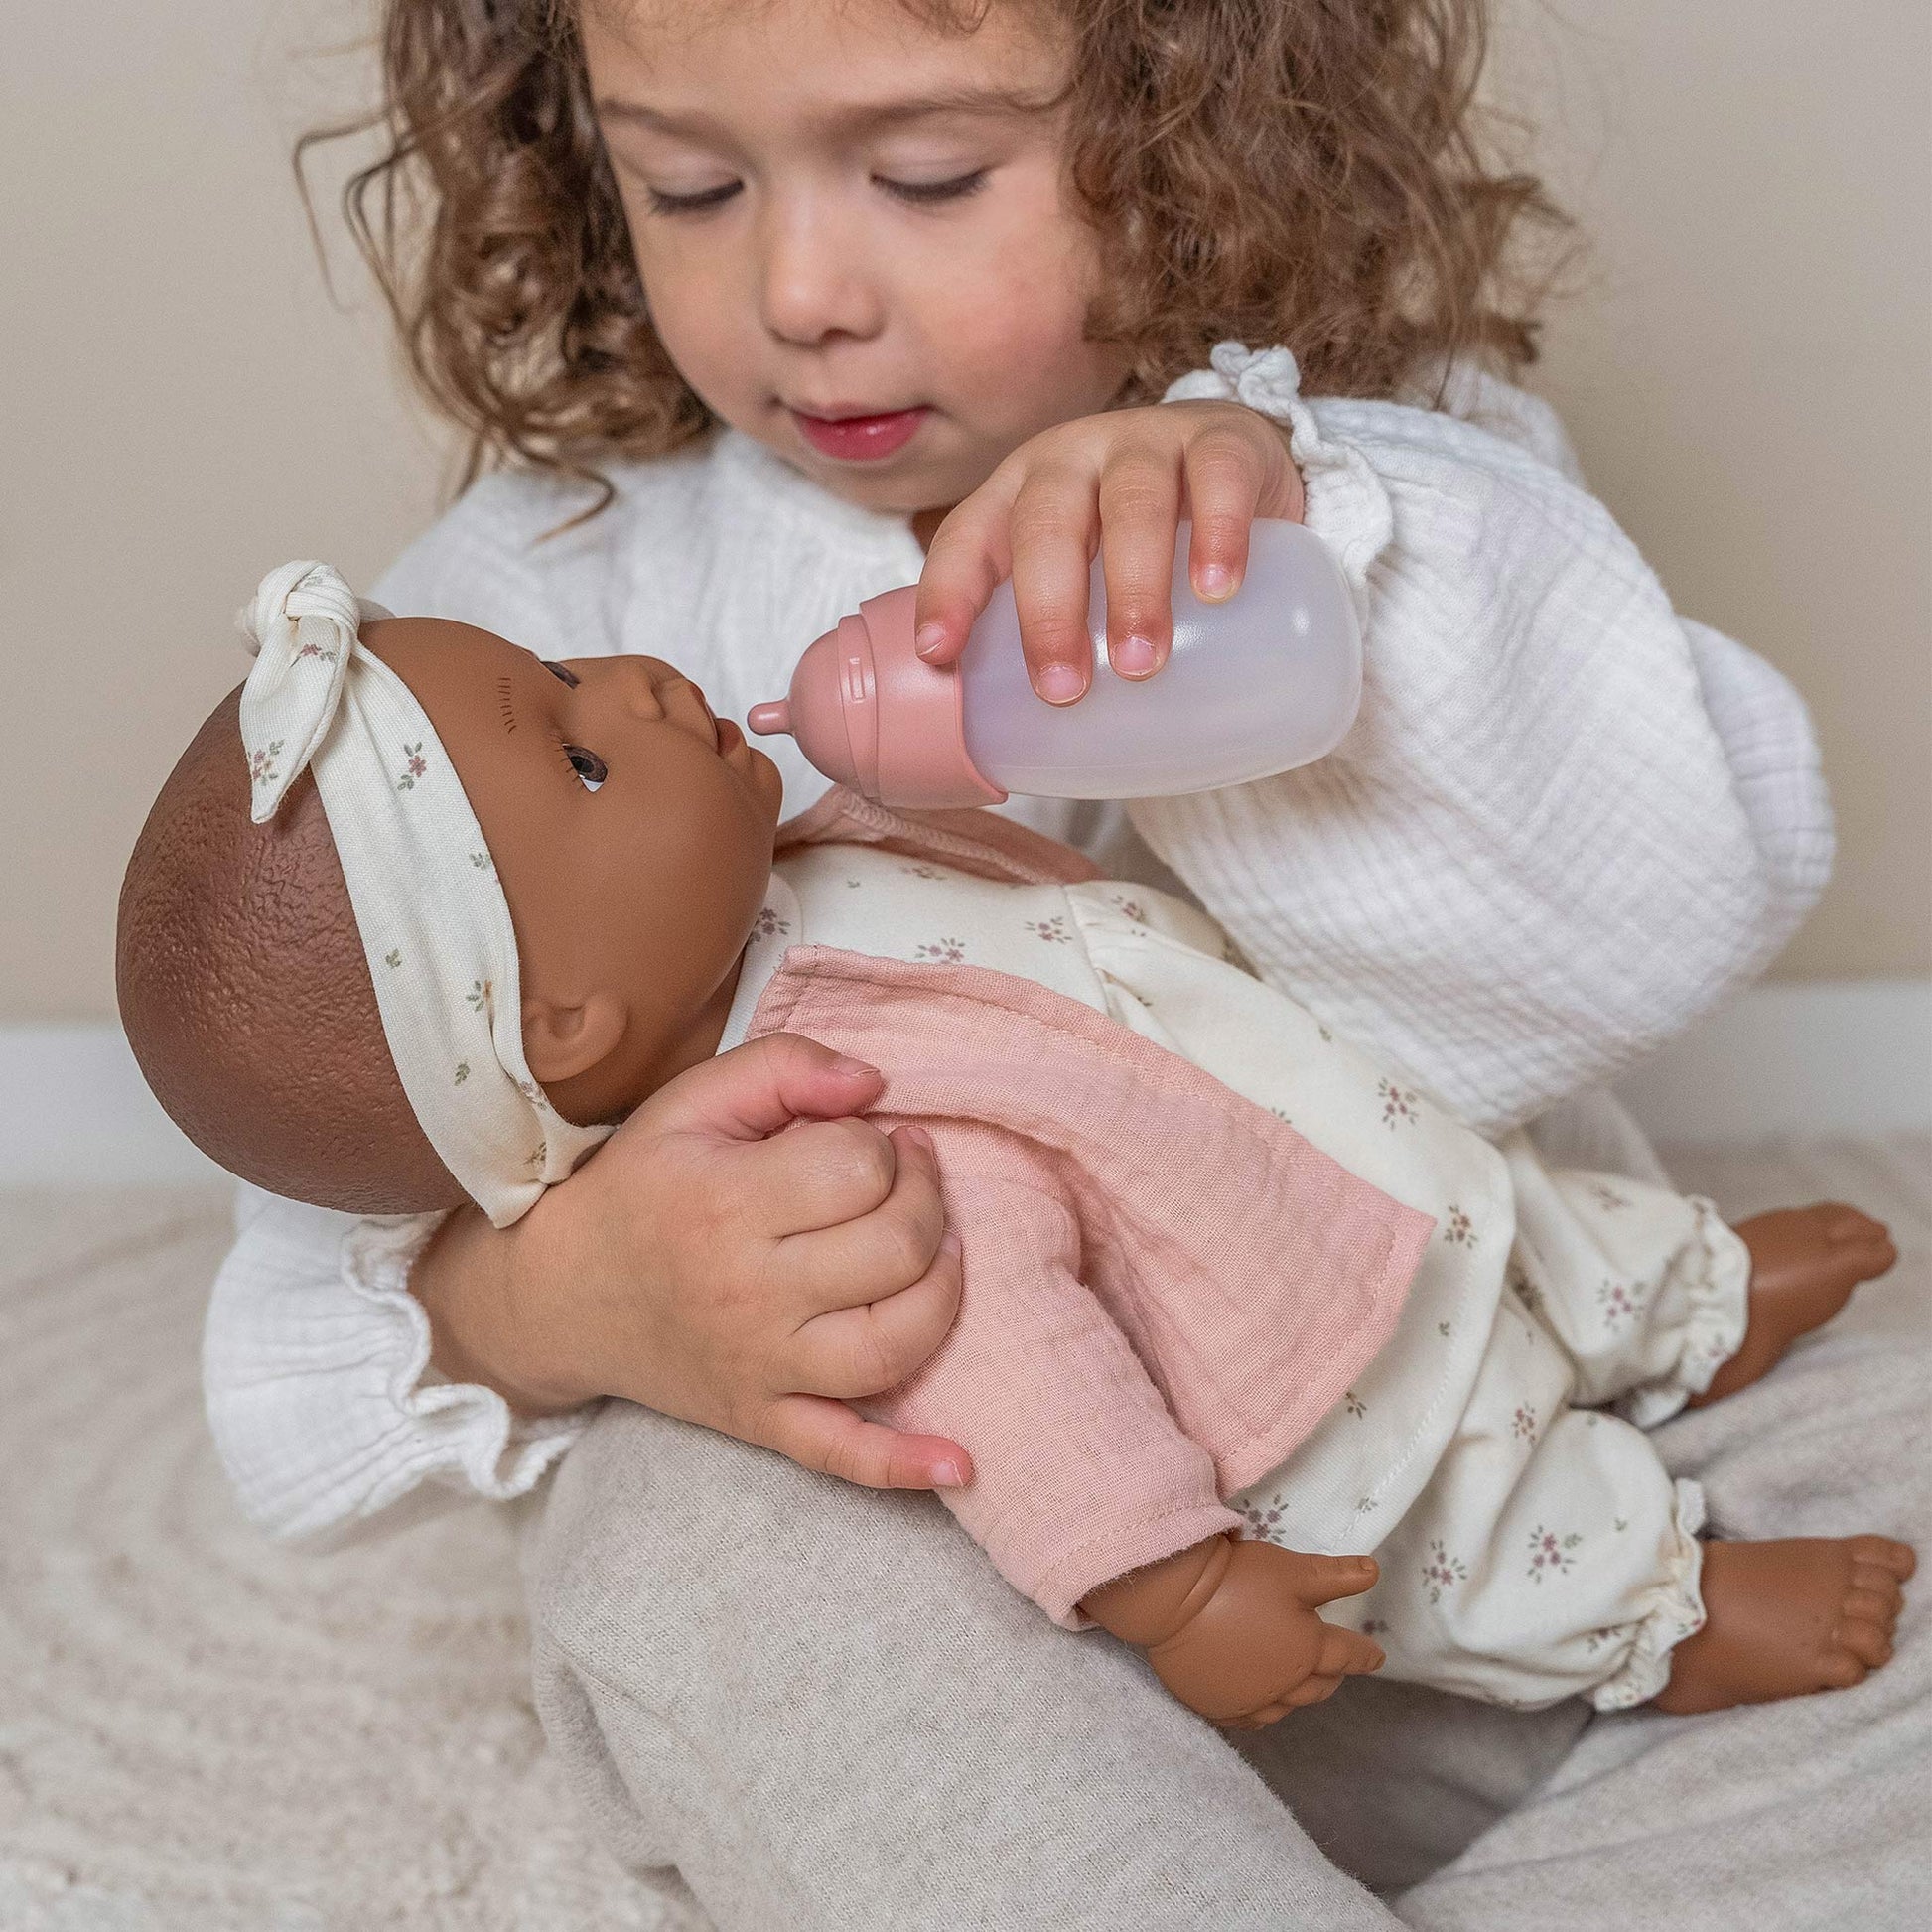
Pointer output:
x,y
562,1042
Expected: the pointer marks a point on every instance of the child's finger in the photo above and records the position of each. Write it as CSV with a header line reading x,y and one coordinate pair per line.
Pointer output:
x,y
828,1437
967,561
866,1350
1140,508
1224,476
1052,534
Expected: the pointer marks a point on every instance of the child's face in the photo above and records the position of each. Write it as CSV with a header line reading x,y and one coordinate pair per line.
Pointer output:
x,y
632,833
839,211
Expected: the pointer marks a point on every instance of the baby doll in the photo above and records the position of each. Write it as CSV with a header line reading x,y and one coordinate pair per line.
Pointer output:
x,y
1247,1328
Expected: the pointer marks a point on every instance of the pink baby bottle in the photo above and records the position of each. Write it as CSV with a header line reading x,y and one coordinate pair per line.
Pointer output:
x,y
1268,680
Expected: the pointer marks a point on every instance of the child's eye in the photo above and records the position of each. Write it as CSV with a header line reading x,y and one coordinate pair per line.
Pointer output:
x,y
591,769
697,204
923,192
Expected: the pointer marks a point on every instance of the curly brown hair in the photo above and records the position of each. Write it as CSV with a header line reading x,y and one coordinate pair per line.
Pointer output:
x,y
1303,171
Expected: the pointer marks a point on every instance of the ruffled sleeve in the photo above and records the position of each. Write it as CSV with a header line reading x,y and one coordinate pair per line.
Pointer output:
x,y
1567,822
323,1404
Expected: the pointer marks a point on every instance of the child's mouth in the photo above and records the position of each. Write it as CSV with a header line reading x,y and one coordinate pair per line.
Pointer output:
x,y
860,439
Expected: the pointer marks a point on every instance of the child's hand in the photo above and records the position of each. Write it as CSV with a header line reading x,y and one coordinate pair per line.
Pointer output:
x,y
1120,482
711,1265
1243,1647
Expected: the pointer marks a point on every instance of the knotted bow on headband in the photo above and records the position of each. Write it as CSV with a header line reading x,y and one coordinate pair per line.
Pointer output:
x,y
429,907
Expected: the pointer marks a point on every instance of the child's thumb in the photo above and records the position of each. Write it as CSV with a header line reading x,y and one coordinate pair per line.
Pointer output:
x,y
765,1084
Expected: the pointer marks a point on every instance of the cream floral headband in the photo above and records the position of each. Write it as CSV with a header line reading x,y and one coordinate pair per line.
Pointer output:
x,y
428,904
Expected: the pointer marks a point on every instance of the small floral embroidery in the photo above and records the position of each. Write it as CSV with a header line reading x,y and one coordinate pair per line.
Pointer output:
x,y
1374,1626
1280,1113
1621,1304
1398,1103
261,767
1522,1425
767,922
462,1071
1550,1554
1620,1524
951,951
1607,1198
393,957
924,872
1353,1403
1329,1039
852,882
1262,1521
1132,909
481,860
479,993
1364,1504
1052,930
1443,1571
413,768
1596,1639
1460,1228
535,1159
315,651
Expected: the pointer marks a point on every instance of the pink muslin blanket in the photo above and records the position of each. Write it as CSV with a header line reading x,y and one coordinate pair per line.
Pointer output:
x,y
1165,1287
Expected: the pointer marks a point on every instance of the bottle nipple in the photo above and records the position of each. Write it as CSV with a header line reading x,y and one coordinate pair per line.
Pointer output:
x,y
767,719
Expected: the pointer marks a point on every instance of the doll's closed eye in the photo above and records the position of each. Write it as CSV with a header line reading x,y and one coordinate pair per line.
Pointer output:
x,y
563,671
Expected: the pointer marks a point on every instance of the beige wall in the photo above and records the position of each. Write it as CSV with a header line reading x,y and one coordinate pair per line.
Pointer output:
x,y
1745,368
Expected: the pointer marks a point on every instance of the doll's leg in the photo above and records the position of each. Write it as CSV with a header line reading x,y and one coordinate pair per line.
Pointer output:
x,y
1551,1555
1645,1290
822,1707
1659,1301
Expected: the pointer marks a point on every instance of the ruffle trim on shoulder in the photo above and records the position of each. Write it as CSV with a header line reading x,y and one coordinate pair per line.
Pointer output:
x,y
461,1428
1347,506
1674,1612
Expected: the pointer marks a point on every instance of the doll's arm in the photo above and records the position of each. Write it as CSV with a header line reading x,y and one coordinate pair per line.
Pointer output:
x,y
1230,1627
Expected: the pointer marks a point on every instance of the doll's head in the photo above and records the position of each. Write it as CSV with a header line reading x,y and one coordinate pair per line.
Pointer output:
x,y
417,918
645,217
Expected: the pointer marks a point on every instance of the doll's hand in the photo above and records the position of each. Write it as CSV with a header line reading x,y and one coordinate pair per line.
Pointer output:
x,y
1230,1627
740,1253
1121,483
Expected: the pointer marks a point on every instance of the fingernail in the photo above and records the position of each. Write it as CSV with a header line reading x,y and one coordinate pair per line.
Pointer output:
x,y
853,1069
1215,582
929,638
919,1137
1133,656
1060,684
948,1476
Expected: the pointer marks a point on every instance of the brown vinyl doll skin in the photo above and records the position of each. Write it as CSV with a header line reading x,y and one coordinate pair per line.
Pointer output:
x,y
633,834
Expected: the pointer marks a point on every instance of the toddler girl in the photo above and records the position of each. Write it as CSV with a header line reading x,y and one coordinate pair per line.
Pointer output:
x,y
797,280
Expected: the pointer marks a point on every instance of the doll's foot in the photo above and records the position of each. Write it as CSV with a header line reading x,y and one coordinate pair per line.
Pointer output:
x,y
1783,1619
1805,1263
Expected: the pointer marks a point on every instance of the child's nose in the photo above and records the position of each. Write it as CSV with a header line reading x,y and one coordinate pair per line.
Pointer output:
x,y
814,281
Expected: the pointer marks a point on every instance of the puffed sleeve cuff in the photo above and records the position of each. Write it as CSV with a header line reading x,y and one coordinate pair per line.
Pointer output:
x,y
1347,506
322,1400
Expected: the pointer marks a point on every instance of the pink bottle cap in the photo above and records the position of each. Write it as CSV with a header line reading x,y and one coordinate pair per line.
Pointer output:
x,y
871,715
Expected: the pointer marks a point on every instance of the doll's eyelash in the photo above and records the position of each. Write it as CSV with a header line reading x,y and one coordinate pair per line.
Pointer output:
x,y
506,710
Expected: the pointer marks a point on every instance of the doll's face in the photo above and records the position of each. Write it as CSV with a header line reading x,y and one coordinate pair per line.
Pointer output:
x,y
632,833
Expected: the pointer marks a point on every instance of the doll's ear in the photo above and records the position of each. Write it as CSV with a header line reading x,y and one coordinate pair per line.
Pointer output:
x,y
562,1042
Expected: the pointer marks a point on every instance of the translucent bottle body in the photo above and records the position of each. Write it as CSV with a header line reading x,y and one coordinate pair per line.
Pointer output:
x,y
1266,681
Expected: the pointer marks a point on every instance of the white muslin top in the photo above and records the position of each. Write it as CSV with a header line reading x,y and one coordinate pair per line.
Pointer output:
x,y
1567,822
